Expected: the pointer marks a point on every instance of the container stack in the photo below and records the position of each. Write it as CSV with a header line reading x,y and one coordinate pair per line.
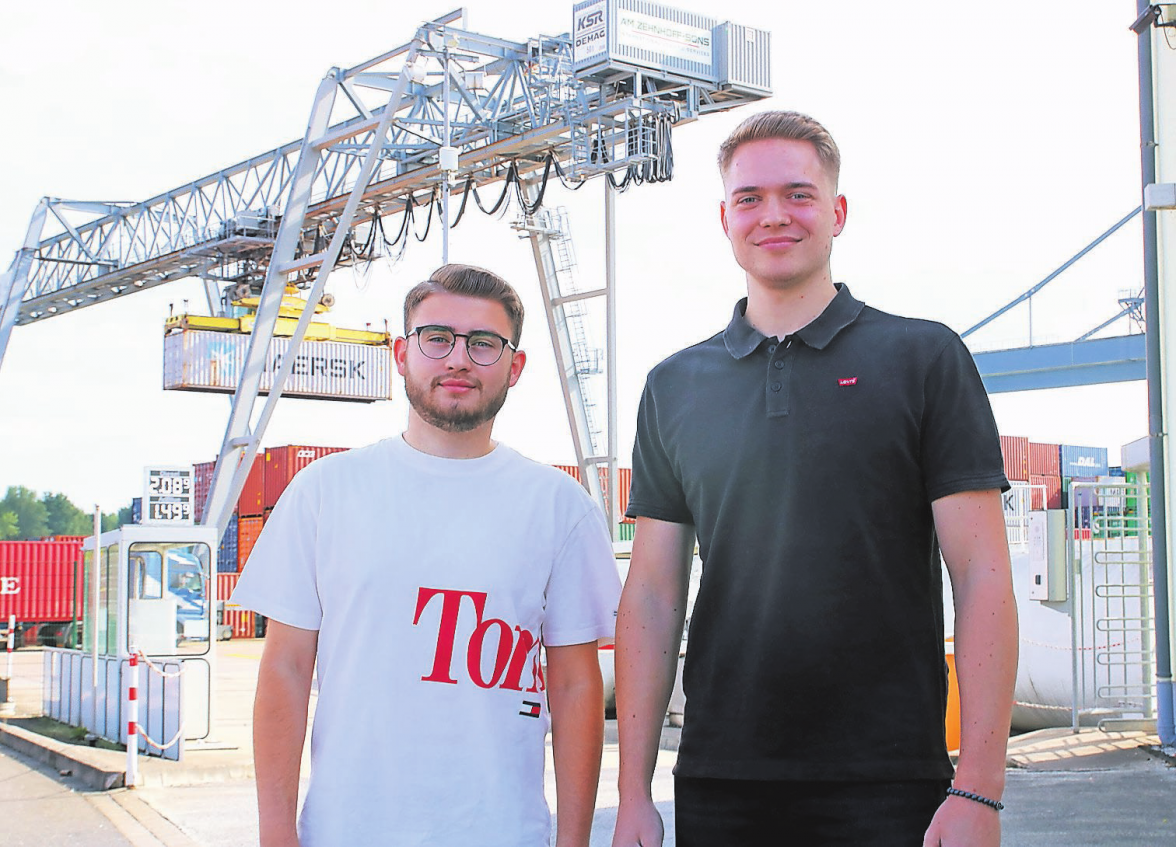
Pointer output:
x,y
625,482
1015,451
226,554
1045,471
248,531
241,621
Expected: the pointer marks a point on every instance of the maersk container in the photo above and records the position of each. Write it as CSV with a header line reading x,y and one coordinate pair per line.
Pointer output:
x,y
610,35
1083,461
41,584
282,463
1015,450
203,360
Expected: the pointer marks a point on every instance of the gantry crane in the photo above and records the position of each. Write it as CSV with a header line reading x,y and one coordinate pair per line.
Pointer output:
x,y
409,130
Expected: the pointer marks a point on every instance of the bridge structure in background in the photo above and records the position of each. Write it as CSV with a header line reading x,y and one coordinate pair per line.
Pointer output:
x,y
1087,360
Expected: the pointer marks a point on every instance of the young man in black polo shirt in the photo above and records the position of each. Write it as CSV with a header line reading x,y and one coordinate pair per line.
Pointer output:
x,y
823,451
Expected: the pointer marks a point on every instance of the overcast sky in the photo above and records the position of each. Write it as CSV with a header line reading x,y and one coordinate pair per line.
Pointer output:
x,y
983,145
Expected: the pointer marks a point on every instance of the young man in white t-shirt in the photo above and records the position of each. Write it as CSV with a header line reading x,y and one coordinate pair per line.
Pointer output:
x,y
424,573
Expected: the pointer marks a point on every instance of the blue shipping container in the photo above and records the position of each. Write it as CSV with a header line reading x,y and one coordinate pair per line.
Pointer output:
x,y
226,554
1083,461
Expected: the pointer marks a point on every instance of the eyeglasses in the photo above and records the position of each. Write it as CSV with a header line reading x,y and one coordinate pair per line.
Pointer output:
x,y
482,346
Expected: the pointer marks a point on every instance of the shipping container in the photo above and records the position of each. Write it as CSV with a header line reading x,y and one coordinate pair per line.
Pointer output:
x,y
248,530
240,621
201,486
203,360
1082,501
226,554
1051,496
1015,450
1044,459
283,463
41,584
1083,461
624,479
251,503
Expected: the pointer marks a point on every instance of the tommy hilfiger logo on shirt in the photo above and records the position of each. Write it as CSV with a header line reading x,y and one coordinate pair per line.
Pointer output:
x,y
851,380
532,710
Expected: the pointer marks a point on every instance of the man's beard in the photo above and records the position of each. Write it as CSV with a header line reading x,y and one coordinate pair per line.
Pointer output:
x,y
454,418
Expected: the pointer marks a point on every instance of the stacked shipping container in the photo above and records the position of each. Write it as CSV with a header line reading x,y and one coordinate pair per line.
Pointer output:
x,y
624,481
241,621
41,584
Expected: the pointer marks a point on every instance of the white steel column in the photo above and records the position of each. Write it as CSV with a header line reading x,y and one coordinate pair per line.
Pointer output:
x,y
565,359
240,446
610,348
15,281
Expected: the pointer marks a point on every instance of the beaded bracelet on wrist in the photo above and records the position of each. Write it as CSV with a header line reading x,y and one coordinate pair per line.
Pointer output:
x,y
976,798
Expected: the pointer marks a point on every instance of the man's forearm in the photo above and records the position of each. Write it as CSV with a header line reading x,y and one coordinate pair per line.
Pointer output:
x,y
577,738
279,732
649,632
986,664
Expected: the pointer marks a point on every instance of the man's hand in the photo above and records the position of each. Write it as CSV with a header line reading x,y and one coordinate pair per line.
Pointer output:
x,y
639,824
963,823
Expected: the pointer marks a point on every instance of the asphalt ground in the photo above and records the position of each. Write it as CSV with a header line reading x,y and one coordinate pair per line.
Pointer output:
x,y
1104,789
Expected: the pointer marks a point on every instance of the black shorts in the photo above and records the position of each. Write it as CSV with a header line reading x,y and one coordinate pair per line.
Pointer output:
x,y
757,813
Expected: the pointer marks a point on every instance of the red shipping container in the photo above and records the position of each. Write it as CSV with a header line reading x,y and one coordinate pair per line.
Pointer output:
x,y
201,485
1015,450
624,478
40,581
281,465
571,470
1044,460
248,529
251,503
241,621
1051,497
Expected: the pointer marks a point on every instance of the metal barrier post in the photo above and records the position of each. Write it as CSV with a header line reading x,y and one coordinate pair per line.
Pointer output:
x,y
11,638
133,721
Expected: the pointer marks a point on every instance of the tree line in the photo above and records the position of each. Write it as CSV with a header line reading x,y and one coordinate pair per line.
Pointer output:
x,y
26,516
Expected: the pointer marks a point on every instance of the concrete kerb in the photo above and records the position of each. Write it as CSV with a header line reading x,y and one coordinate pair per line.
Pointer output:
x,y
103,770
63,758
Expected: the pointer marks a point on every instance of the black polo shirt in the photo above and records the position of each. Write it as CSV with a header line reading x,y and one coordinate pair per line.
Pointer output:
x,y
808,467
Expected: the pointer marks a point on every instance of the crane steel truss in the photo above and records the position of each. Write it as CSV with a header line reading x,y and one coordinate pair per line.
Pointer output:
x,y
374,146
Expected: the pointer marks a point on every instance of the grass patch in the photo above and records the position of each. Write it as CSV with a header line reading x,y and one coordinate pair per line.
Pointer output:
x,y
64,733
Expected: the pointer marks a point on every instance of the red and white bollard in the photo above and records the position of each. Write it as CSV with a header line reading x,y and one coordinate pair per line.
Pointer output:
x,y
11,643
133,721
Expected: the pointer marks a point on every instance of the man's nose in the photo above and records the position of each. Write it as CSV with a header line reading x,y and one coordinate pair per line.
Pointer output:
x,y
459,356
776,213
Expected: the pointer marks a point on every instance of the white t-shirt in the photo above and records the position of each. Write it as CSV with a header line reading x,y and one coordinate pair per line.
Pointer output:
x,y
431,582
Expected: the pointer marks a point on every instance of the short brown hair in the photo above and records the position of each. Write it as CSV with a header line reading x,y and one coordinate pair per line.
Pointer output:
x,y
468,281
789,126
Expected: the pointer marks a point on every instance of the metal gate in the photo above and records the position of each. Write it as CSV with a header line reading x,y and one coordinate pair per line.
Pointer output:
x,y
1108,527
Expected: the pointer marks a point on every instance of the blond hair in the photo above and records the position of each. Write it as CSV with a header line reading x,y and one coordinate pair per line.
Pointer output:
x,y
789,126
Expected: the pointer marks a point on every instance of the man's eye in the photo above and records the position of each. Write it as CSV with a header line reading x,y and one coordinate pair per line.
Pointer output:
x,y
483,342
